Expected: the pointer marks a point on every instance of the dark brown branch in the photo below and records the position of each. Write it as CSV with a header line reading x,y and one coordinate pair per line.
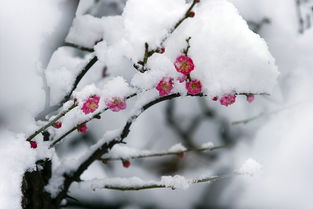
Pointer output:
x,y
183,18
68,96
78,47
104,148
166,153
51,122
300,19
78,78
156,185
96,116
141,65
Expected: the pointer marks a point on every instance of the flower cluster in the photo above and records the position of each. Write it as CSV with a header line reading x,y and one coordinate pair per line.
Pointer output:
x,y
91,104
184,65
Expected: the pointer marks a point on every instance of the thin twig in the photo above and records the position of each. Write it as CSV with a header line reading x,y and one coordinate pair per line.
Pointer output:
x,y
148,53
182,19
51,122
166,153
78,78
96,116
105,147
300,19
160,184
247,120
78,47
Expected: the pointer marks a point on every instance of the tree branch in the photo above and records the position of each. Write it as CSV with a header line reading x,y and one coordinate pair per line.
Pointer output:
x,y
78,78
300,19
148,53
166,153
105,109
51,122
78,47
85,121
142,185
103,148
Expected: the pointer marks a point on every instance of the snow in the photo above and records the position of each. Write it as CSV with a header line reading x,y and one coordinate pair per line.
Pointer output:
x,y
227,55
250,167
85,31
61,73
175,182
16,157
126,152
177,148
207,145
118,182
116,86
69,165
155,26
220,54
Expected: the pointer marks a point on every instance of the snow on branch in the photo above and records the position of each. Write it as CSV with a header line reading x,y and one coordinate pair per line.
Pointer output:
x,y
135,183
82,73
123,152
250,167
149,52
52,122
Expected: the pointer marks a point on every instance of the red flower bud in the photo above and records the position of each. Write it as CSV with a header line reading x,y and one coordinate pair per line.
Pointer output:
x,y
126,163
57,124
181,155
33,144
191,14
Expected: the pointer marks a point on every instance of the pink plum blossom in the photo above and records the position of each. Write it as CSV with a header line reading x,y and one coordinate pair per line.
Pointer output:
x,y
182,78
215,98
126,163
181,155
194,87
82,128
228,99
57,124
184,64
33,144
165,86
116,104
91,104
250,98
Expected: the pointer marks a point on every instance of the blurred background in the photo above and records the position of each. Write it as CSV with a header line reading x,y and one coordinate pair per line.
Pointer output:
x,y
276,130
